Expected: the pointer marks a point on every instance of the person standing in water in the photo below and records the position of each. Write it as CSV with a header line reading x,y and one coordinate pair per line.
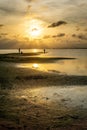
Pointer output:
x,y
19,50
44,50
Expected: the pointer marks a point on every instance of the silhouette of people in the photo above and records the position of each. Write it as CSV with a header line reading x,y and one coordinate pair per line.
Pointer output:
x,y
44,50
19,50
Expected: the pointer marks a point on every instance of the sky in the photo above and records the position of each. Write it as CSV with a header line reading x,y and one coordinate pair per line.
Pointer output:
x,y
43,24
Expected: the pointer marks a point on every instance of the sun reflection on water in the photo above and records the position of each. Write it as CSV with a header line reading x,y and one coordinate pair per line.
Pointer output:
x,y
36,66
35,50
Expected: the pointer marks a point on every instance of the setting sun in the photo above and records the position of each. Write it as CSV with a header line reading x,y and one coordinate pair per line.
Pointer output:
x,y
35,32
34,29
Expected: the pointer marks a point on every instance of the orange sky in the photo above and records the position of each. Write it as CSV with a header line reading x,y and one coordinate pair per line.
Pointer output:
x,y
39,24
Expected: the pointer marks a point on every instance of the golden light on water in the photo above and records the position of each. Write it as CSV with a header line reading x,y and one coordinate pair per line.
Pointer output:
x,y
35,50
35,66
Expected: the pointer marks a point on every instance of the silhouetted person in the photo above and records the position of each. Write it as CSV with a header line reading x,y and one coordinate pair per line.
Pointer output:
x,y
44,50
19,50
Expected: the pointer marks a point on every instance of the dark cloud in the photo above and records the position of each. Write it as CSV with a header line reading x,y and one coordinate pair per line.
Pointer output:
x,y
85,30
29,7
30,0
47,36
74,35
7,43
77,29
59,23
1,25
54,36
4,34
80,36
59,35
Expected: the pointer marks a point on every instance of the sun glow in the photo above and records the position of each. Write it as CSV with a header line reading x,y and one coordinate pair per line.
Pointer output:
x,y
35,50
34,29
35,66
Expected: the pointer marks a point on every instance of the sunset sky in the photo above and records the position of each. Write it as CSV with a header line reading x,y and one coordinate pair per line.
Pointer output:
x,y
43,24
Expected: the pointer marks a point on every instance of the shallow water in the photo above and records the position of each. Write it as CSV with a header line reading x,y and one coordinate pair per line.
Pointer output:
x,y
77,66
76,53
72,96
70,67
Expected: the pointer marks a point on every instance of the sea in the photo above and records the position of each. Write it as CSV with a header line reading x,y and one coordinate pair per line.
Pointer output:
x,y
77,66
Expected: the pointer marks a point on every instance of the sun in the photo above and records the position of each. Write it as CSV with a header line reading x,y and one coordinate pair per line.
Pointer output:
x,y
34,29
35,32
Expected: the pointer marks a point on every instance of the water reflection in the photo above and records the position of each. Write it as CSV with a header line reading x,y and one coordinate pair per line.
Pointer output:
x,y
70,67
35,66
35,50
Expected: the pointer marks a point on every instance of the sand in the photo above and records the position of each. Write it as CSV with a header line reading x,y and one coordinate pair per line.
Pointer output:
x,y
36,100
30,58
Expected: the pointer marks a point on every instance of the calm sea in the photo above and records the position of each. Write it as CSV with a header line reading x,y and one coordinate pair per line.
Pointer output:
x,y
71,67
51,52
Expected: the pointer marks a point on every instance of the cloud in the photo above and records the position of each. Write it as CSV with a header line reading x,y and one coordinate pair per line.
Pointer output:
x,y
12,7
77,28
4,34
7,43
34,29
30,0
85,30
76,12
59,23
47,36
7,10
29,7
1,25
74,35
54,36
80,36
59,35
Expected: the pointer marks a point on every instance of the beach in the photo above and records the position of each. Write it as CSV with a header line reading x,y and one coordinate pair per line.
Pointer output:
x,y
43,65
34,99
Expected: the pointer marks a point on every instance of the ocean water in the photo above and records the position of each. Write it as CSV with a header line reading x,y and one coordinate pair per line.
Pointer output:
x,y
77,53
76,66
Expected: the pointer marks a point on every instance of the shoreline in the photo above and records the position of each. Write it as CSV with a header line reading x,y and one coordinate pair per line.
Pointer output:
x,y
25,75
35,100
30,58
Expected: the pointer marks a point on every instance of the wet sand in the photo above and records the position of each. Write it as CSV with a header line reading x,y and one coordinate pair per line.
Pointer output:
x,y
30,58
36,100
